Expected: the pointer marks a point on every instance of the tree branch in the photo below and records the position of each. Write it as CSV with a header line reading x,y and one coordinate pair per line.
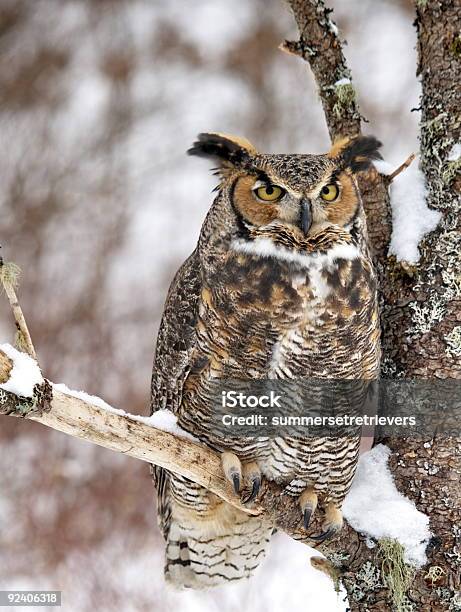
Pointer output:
x,y
9,275
401,168
319,44
132,435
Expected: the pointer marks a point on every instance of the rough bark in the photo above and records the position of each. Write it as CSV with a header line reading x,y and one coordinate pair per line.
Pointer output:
x,y
421,312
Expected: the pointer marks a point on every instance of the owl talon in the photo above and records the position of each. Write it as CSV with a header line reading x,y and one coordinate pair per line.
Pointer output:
x,y
323,536
232,469
332,524
308,502
254,491
237,474
307,517
252,475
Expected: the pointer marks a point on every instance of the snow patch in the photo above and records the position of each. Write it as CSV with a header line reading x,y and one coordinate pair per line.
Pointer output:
x,y
86,397
344,81
161,419
377,509
412,219
166,421
455,152
24,375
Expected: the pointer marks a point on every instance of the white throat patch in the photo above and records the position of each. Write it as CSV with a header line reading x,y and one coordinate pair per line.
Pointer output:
x,y
264,247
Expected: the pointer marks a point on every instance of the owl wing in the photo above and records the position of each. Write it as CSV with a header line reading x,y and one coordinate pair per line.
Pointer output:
x,y
176,337
175,342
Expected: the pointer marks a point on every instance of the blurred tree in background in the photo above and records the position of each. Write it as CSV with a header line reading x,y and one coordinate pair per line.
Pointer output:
x,y
99,99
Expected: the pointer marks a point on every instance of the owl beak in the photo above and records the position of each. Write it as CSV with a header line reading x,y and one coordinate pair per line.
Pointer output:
x,y
305,216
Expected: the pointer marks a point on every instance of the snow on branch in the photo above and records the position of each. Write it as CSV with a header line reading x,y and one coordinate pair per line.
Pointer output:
x,y
90,418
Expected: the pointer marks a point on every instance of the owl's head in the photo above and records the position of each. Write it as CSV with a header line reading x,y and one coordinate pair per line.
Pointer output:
x,y
300,195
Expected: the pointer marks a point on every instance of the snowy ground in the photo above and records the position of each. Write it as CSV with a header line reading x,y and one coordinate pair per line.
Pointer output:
x,y
285,580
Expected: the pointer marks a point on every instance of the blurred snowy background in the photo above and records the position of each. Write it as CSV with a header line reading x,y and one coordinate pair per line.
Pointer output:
x,y
99,100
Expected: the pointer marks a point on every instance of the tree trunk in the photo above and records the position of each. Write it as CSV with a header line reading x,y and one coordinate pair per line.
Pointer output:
x,y
421,312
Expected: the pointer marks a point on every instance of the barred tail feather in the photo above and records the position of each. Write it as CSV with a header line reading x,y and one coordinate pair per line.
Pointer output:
x,y
201,562
208,541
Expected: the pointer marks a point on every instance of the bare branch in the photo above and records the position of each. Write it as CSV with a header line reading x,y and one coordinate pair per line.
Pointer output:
x,y
9,274
401,168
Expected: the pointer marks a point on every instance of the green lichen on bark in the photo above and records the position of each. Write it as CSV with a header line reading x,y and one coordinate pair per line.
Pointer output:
x,y
9,274
434,574
450,599
455,46
26,405
337,558
451,170
365,582
397,575
426,315
346,97
436,145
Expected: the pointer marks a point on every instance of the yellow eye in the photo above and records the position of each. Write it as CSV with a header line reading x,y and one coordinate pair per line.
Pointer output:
x,y
330,192
270,193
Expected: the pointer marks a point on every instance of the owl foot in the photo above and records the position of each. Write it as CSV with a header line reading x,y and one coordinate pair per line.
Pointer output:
x,y
332,523
249,474
308,502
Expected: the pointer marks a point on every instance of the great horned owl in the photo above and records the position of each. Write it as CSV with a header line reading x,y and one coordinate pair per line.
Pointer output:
x,y
280,286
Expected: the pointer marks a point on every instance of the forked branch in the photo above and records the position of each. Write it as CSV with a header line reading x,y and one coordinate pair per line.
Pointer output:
x,y
319,44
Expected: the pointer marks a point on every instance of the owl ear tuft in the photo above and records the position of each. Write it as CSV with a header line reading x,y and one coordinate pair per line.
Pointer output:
x,y
356,153
228,149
